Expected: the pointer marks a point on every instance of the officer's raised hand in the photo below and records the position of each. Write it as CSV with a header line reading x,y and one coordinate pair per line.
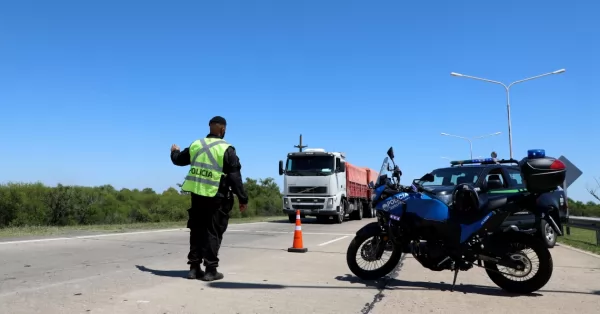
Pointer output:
x,y
174,147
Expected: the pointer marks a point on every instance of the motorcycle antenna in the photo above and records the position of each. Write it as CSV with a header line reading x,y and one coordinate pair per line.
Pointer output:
x,y
300,146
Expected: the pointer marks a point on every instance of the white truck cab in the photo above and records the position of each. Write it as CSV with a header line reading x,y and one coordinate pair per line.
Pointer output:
x,y
314,182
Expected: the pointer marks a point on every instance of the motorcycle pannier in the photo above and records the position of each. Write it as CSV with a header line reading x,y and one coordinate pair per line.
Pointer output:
x,y
542,175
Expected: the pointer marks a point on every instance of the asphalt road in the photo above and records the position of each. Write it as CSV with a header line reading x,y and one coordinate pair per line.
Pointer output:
x,y
144,273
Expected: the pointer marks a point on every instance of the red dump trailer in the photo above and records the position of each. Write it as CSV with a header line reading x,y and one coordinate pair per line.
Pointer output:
x,y
358,191
357,185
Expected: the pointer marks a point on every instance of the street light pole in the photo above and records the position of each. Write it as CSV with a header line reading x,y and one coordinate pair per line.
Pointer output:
x,y
507,88
470,140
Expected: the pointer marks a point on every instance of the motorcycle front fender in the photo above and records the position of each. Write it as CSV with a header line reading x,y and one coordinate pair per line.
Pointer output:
x,y
370,229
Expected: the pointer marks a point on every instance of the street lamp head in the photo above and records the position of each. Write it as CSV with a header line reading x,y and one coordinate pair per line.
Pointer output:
x,y
559,71
455,74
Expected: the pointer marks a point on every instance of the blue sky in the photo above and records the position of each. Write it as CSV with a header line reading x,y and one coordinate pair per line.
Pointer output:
x,y
95,92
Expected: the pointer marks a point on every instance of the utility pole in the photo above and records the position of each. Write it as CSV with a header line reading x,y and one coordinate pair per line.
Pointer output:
x,y
300,147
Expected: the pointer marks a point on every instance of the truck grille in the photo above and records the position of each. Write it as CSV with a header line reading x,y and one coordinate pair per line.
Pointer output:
x,y
308,200
303,206
308,189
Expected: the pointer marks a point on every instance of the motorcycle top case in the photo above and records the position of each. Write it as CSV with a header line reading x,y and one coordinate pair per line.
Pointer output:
x,y
542,175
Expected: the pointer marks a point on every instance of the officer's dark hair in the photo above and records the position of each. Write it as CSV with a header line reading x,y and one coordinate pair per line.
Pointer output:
x,y
217,126
217,120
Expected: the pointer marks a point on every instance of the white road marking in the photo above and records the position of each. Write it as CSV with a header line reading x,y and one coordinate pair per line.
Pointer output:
x,y
334,240
125,233
109,235
32,241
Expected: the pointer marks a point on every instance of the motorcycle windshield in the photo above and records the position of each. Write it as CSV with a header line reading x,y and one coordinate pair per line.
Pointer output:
x,y
384,171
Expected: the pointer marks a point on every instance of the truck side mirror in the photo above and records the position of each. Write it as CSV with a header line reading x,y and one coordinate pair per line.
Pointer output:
x,y
280,167
371,185
342,167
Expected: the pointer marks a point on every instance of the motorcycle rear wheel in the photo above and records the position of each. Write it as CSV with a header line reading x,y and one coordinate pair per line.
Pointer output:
x,y
520,242
386,268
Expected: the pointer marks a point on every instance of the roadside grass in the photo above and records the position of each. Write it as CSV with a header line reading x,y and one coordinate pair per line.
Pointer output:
x,y
15,232
582,239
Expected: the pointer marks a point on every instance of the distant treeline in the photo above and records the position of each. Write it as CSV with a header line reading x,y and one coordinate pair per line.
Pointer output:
x,y
34,204
589,209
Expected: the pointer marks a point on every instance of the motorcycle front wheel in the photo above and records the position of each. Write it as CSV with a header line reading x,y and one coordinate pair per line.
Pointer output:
x,y
368,248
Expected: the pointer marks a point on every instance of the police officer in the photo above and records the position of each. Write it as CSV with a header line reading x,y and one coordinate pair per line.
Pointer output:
x,y
214,174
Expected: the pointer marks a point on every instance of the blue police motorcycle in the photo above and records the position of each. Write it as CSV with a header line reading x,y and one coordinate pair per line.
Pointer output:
x,y
460,235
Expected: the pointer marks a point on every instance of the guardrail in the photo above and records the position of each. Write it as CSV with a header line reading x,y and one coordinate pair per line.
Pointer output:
x,y
588,223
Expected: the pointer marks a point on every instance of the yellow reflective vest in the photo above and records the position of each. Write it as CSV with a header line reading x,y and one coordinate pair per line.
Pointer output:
x,y
206,166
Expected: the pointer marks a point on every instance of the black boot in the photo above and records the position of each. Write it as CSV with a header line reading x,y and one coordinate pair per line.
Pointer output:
x,y
212,274
195,272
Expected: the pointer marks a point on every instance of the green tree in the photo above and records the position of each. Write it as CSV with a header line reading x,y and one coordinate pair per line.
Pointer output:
x,y
29,204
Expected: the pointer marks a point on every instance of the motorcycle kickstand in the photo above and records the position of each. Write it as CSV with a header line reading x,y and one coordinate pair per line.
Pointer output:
x,y
454,281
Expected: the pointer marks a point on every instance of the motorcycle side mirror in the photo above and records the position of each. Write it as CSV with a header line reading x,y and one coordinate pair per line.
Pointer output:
x,y
390,152
280,167
427,178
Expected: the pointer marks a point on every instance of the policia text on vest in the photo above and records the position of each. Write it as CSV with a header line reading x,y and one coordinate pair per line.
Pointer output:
x,y
206,166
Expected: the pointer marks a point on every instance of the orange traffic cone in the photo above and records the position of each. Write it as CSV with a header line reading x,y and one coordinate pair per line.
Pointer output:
x,y
297,245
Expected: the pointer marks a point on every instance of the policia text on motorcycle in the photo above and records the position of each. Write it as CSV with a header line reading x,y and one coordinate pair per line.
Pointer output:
x,y
213,178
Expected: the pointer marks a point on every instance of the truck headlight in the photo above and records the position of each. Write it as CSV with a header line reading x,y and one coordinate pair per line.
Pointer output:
x,y
286,203
330,202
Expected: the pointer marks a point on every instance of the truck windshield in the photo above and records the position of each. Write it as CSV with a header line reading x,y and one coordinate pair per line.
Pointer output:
x,y
308,165
453,176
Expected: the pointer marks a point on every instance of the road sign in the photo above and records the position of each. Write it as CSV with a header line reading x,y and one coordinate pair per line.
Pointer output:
x,y
573,173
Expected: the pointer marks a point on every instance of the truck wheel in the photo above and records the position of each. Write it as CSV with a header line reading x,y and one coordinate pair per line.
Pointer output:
x,y
547,233
339,218
292,218
370,212
357,214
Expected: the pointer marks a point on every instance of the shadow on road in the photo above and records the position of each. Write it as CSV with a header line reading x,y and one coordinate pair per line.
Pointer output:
x,y
164,273
392,285
386,283
397,284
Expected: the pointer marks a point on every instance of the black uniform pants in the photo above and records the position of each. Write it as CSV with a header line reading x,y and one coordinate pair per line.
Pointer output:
x,y
207,223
